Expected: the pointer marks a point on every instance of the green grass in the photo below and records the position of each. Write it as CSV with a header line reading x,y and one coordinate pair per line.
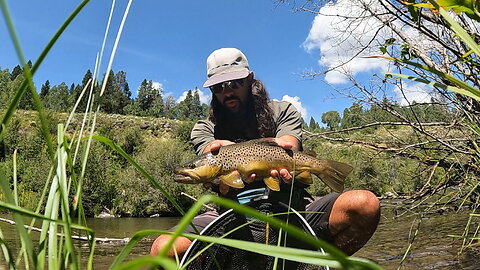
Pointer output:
x,y
60,207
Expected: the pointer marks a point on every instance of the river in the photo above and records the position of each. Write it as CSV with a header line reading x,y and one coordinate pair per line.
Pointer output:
x,y
432,248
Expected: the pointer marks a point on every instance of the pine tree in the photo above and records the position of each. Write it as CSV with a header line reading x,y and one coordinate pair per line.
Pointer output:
x,y
313,124
184,108
353,116
196,109
117,93
26,103
45,88
150,99
144,96
122,90
78,91
17,70
5,93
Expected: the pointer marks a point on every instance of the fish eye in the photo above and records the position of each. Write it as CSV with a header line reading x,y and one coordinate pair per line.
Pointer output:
x,y
191,166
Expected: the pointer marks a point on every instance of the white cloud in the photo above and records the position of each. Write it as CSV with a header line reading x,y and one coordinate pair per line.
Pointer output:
x,y
418,92
182,97
204,97
339,39
298,105
157,85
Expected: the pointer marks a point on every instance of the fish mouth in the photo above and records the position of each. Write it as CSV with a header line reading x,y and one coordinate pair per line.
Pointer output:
x,y
183,179
185,176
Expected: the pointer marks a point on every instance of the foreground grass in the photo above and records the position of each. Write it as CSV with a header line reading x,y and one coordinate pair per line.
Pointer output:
x,y
61,202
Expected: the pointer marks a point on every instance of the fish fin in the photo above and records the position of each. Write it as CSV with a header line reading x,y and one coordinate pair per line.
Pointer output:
x,y
333,174
304,177
232,179
272,183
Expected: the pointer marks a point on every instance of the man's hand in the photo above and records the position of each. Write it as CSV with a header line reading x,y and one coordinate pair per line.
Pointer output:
x,y
286,142
215,145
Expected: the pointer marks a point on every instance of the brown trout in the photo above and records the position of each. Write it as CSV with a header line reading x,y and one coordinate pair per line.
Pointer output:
x,y
232,163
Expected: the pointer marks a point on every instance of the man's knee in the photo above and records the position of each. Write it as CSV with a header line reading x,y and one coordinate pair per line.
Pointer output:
x,y
353,220
180,245
359,203
362,203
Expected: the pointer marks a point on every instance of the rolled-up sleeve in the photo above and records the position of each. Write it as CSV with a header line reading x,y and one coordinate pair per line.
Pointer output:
x,y
201,135
288,120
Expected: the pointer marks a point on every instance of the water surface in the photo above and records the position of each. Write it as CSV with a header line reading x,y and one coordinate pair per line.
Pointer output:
x,y
432,248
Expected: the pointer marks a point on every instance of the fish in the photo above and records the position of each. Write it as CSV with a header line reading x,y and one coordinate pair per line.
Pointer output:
x,y
231,164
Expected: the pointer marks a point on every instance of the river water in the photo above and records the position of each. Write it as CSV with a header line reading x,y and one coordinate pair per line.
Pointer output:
x,y
432,248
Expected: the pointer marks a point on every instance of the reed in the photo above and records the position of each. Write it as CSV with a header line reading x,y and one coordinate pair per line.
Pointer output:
x,y
64,217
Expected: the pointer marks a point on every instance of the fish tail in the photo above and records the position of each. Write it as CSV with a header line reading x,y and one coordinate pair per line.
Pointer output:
x,y
332,173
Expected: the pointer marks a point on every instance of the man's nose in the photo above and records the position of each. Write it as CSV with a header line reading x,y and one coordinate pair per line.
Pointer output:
x,y
227,90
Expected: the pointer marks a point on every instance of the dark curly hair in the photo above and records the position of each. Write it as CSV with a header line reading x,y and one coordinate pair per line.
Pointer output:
x,y
259,113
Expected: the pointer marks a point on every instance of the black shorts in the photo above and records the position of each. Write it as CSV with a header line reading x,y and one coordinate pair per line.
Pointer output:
x,y
317,215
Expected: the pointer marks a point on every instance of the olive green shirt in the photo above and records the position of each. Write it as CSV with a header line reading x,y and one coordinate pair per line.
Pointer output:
x,y
287,122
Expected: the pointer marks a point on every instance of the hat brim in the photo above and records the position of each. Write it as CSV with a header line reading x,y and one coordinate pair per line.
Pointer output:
x,y
226,77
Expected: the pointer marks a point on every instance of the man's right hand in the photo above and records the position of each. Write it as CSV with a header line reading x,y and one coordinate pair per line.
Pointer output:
x,y
215,145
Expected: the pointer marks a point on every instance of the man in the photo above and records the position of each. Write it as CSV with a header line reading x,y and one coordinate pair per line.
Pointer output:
x,y
241,111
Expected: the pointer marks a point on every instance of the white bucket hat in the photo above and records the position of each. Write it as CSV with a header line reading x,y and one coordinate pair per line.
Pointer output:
x,y
226,64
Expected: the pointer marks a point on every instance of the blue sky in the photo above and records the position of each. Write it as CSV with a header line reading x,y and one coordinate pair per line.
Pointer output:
x,y
168,42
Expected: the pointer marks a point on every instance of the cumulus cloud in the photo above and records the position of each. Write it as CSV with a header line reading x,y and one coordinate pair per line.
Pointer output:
x,y
339,40
298,105
418,92
204,96
157,85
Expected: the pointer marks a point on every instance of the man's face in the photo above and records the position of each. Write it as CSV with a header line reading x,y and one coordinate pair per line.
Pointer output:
x,y
233,95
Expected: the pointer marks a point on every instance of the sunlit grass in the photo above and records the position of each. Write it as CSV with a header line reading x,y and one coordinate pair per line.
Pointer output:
x,y
56,248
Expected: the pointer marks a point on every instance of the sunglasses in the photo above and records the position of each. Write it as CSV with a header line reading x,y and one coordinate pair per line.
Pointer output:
x,y
234,84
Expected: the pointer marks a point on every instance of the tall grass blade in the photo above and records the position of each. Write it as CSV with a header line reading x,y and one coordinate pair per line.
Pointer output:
x,y
27,213
27,244
287,253
15,191
459,83
63,192
7,253
114,50
165,263
105,37
78,195
473,93
457,28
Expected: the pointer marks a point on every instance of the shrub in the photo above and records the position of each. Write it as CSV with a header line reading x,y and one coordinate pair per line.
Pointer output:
x,y
159,156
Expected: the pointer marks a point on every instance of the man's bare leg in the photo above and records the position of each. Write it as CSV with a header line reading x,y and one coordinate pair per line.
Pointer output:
x,y
354,219
180,246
